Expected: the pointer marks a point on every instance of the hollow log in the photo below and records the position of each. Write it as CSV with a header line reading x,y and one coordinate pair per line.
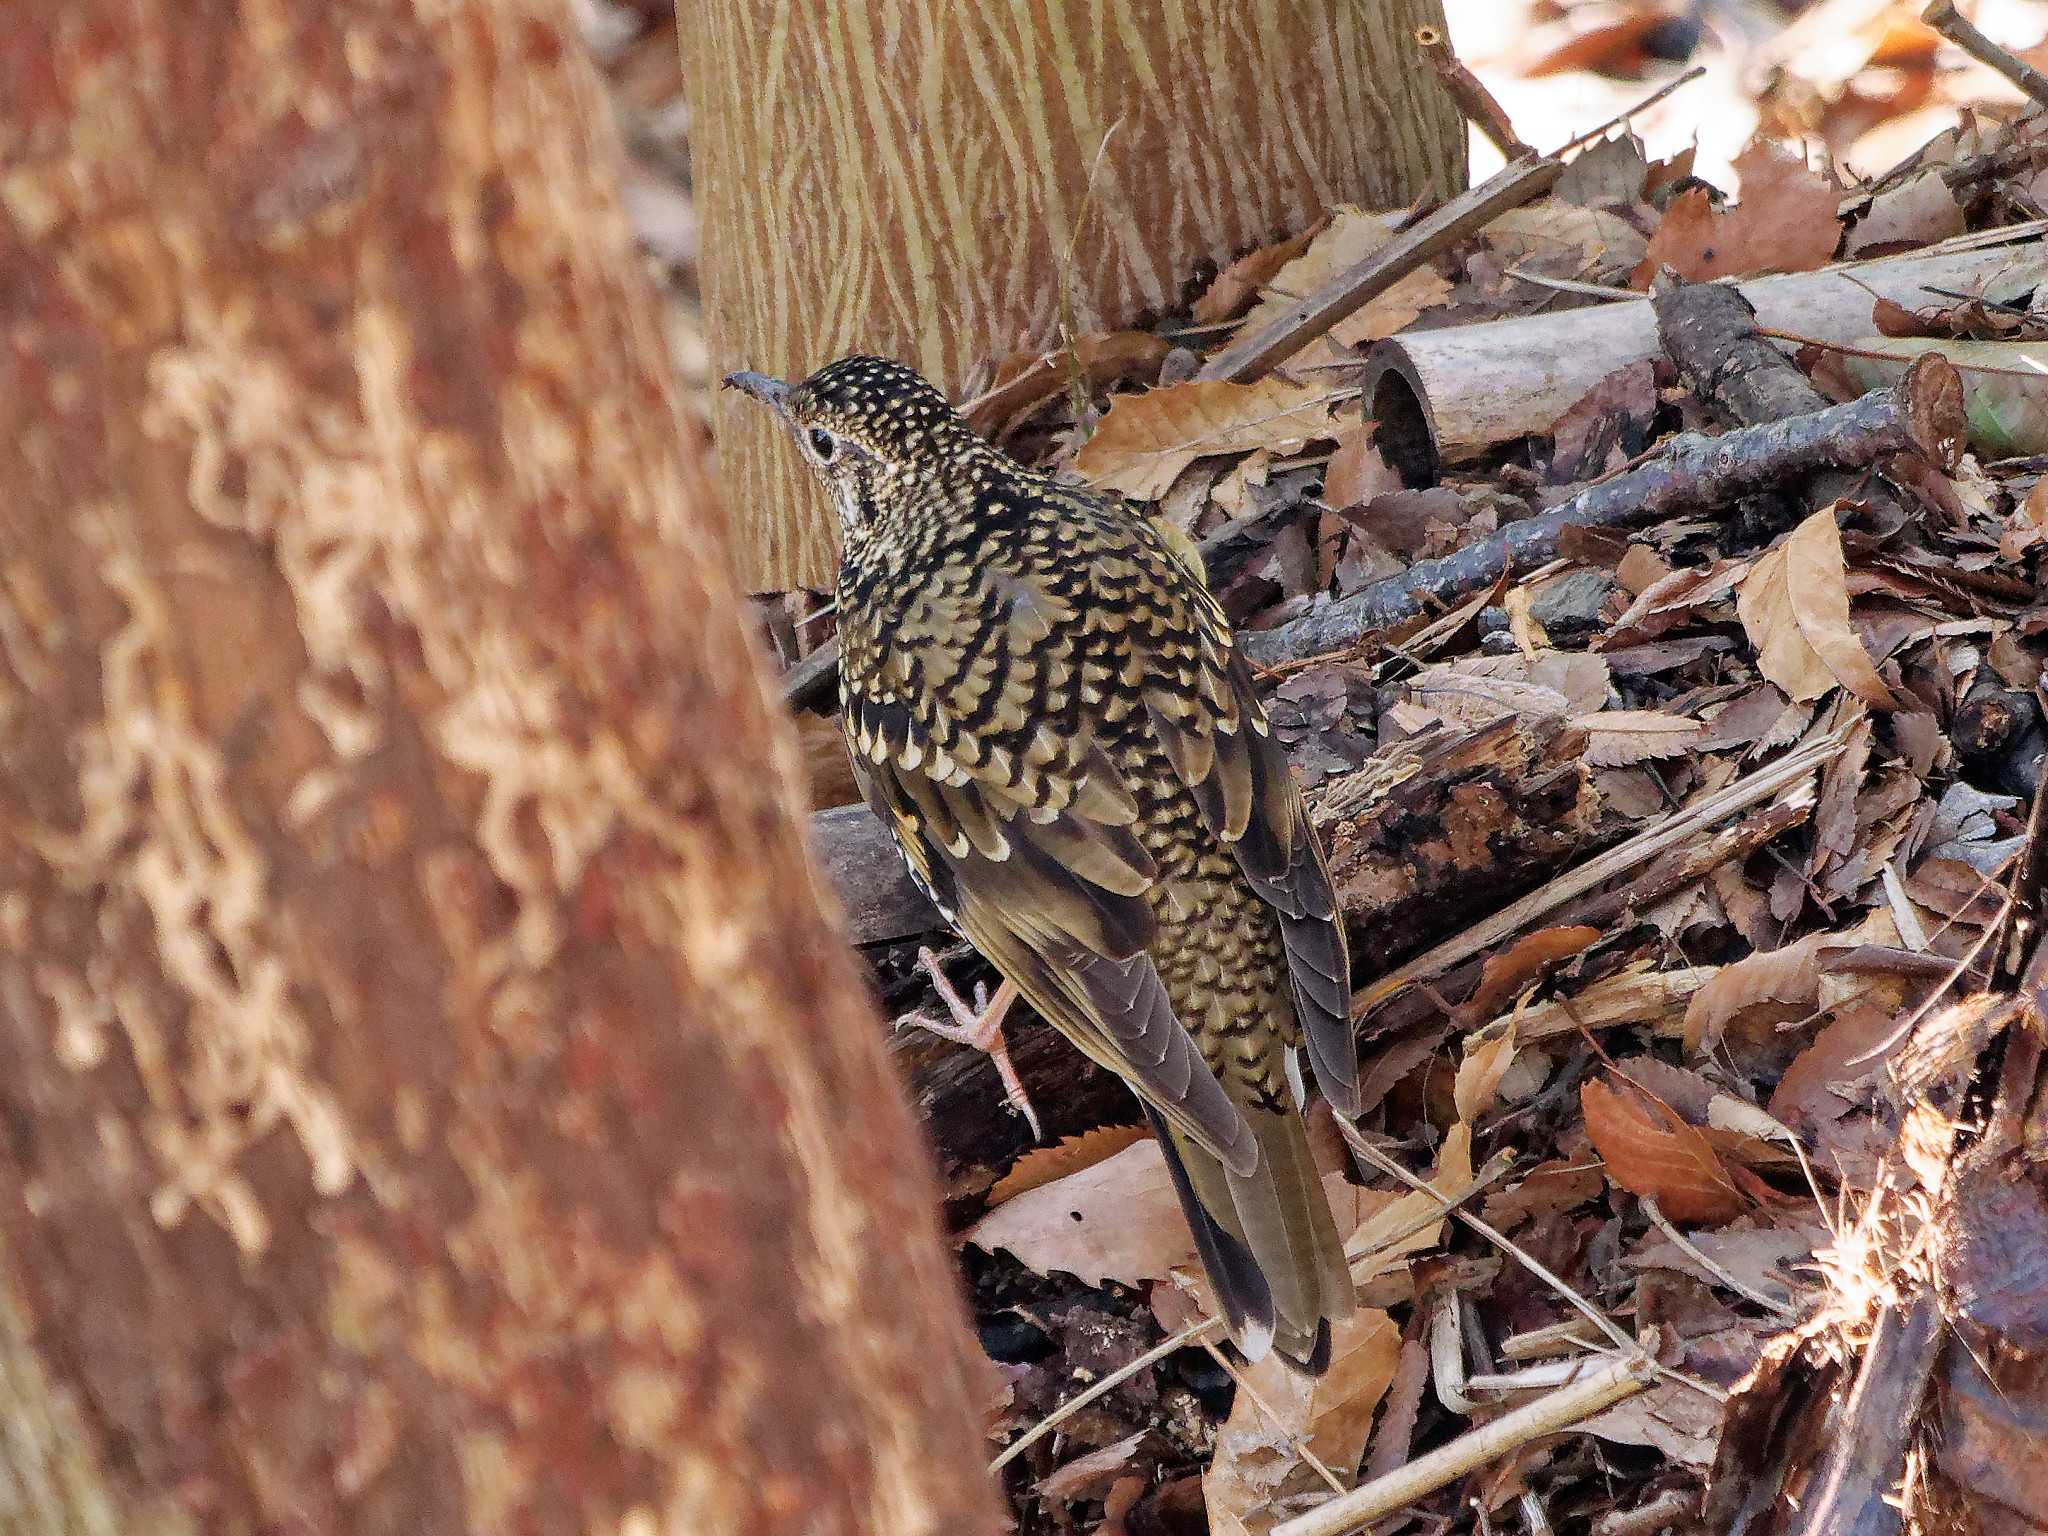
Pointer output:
x,y
950,184
1444,396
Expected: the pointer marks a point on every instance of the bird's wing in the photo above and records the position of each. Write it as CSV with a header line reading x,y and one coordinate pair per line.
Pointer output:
x,y
1030,849
1206,716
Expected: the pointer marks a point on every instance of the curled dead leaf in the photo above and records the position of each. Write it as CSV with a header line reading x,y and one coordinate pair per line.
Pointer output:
x,y
1650,1152
1146,440
1794,606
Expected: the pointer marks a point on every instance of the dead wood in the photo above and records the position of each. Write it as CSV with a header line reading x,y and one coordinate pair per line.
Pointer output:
x,y
1447,395
1923,413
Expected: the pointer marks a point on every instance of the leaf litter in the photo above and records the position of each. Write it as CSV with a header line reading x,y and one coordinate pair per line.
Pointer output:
x,y
1713,1101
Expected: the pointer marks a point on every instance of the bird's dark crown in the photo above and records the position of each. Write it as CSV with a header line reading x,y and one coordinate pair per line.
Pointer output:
x,y
885,407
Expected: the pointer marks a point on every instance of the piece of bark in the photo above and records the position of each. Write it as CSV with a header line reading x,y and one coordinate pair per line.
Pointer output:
x,y
867,871
1450,394
435,1099
1922,413
1448,826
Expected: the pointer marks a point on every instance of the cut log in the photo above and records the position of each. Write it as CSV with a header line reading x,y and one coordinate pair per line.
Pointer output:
x,y
1448,395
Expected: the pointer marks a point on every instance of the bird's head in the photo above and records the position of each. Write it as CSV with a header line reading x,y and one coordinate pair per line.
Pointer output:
x,y
868,428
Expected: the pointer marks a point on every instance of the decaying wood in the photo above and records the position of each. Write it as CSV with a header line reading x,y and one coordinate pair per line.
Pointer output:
x,y
950,184
436,1099
1443,828
1922,413
1520,182
1444,396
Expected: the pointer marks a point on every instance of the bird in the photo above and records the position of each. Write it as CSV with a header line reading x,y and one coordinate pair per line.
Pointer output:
x,y
1046,704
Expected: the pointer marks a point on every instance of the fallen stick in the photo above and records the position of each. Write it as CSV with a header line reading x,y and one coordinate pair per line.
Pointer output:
x,y
1922,413
1951,24
1520,182
1448,395
1622,1376
1480,107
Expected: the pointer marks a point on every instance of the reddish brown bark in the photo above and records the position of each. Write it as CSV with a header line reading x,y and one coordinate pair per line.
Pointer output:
x,y
431,1096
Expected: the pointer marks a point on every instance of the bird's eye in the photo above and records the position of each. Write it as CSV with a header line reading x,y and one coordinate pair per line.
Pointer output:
x,y
824,445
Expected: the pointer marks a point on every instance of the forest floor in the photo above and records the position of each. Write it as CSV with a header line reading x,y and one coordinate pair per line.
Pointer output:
x,y
1687,819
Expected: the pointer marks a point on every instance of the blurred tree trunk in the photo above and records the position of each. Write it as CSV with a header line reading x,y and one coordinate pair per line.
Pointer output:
x,y
431,1096
935,181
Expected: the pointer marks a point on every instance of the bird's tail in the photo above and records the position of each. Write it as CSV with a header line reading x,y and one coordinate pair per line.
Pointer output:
x,y
1266,1239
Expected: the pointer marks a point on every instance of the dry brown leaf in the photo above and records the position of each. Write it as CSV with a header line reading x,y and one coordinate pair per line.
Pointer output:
x,y
1041,1165
1358,470
1918,211
1026,380
1147,440
1785,223
1794,606
1619,738
1488,1055
1506,975
1545,1190
1386,313
1650,1152
1088,1477
1351,235
1239,283
1378,1245
1256,1473
1116,1220
1591,240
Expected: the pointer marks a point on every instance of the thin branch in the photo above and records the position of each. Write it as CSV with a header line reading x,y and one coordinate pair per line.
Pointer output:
x,y
1192,1334
1479,105
1621,1376
1943,16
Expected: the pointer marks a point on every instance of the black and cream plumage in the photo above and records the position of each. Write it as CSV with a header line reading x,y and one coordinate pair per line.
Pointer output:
x,y
1045,703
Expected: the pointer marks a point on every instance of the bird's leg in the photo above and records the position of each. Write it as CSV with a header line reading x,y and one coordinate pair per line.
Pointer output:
x,y
978,1026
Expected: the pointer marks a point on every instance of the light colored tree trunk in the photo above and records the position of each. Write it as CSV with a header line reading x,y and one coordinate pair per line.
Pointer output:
x,y
431,1096
948,182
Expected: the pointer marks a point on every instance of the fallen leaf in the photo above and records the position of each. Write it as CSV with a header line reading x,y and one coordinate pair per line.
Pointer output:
x,y
1358,470
1351,235
1488,1055
1794,606
1041,1165
1027,380
1591,241
1240,282
1506,975
1918,211
1618,738
1386,313
1545,1190
1088,1477
1116,1220
1650,1152
1257,1474
1785,222
1147,440
1412,1222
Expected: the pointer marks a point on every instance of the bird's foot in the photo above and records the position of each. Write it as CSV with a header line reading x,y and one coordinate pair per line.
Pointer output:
x,y
979,1026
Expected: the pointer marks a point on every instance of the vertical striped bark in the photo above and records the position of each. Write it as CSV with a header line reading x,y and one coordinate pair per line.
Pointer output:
x,y
933,180
431,1096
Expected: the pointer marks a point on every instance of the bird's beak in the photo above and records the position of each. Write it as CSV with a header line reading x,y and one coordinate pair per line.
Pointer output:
x,y
772,393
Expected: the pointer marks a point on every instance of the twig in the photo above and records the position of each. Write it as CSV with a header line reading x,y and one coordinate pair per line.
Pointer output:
x,y
1622,1376
1295,1441
1355,1139
1923,413
1623,116
1943,16
812,682
1720,1272
1519,182
1191,1334
1474,100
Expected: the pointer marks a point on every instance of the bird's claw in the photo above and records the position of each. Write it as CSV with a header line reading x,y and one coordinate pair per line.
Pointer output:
x,y
978,1026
